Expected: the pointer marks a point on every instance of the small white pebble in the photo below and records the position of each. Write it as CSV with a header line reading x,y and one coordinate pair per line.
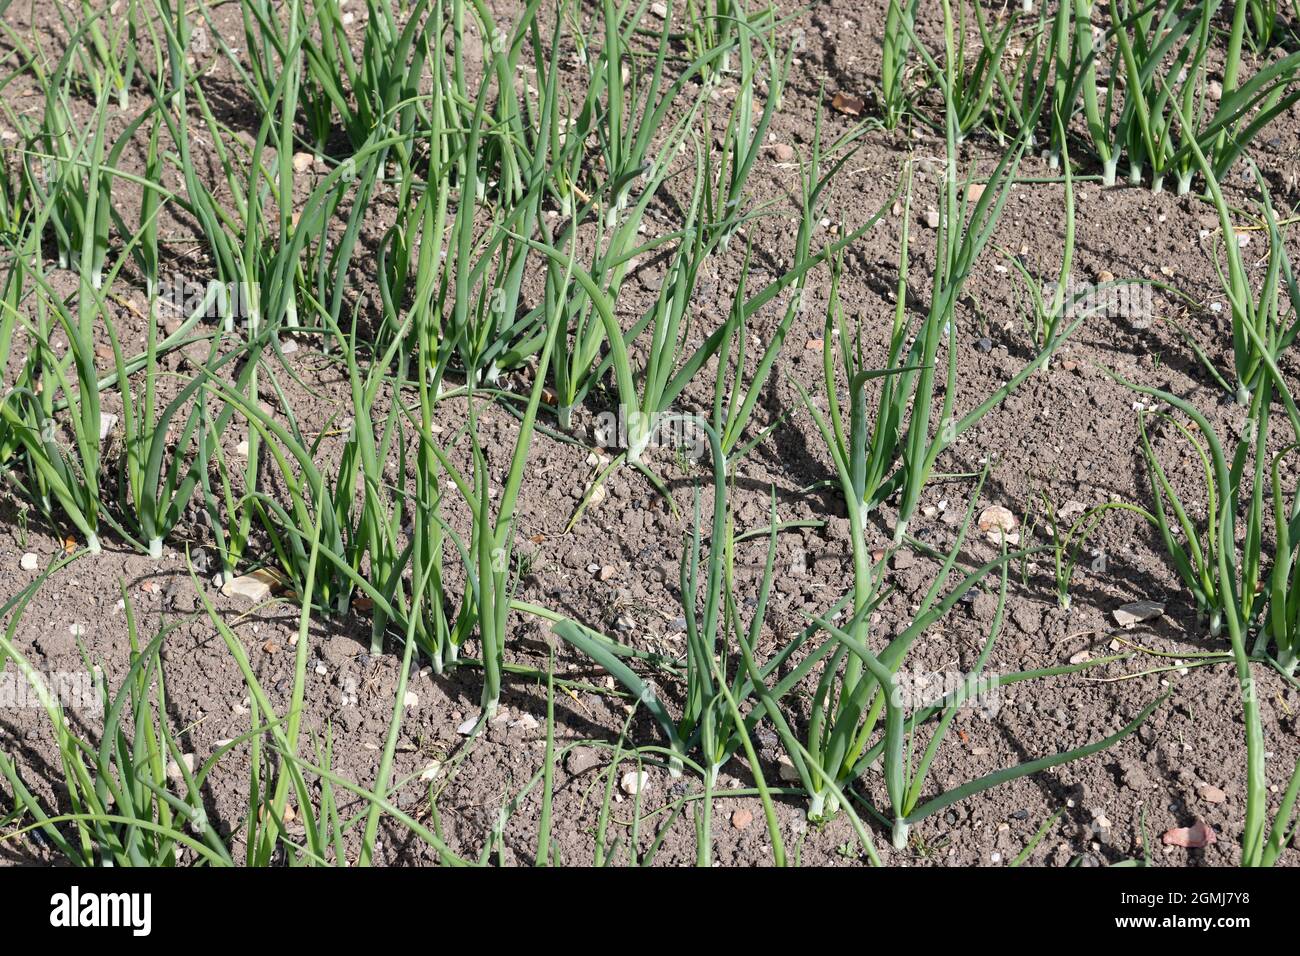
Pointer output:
x,y
634,781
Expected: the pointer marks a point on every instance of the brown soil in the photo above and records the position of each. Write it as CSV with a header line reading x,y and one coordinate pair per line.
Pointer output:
x,y
1069,433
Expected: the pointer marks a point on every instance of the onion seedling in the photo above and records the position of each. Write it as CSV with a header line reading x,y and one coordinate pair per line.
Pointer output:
x,y
104,43
632,130
487,555
1158,103
124,807
1068,541
891,448
1260,330
895,98
857,685
969,90
1229,583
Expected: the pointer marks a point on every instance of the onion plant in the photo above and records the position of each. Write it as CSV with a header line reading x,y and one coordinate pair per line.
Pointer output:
x,y
972,77
895,98
1228,580
1260,329
716,25
1261,20
640,147
487,555
122,808
54,392
1158,62
1068,540
132,797
858,685
1226,576
893,447
75,184
104,42
375,91
69,481
734,397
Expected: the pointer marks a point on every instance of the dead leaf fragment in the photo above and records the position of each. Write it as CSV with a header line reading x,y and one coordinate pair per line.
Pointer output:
x,y
848,104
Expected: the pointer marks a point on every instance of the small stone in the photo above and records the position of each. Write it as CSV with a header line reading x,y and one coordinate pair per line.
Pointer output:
x,y
303,162
785,769
56,643
1194,837
580,760
1137,612
606,572
996,517
932,218
634,782
1071,509
903,559
741,819
1212,794
411,700
526,723
242,449
270,647
77,630
431,771
467,727
974,191
106,425
255,587
783,152
659,9
984,344
1080,657
29,562
174,768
